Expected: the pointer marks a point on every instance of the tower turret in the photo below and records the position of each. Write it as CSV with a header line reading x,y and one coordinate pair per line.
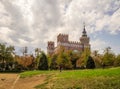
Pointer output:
x,y
84,34
84,39
50,47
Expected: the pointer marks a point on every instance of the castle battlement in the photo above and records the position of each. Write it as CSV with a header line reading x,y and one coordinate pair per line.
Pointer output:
x,y
50,41
74,42
63,40
61,34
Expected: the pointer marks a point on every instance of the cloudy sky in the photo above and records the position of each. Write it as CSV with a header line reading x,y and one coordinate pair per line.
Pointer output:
x,y
34,22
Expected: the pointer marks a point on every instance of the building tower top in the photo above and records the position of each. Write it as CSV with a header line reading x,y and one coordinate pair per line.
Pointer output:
x,y
84,33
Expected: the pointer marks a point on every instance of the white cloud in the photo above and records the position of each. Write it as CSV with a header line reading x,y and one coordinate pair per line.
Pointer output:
x,y
99,45
34,22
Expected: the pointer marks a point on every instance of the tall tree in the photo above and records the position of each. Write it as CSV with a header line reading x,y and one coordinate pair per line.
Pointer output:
x,y
73,56
53,64
64,61
6,54
37,51
97,58
24,50
43,62
117,61
83,58
108,57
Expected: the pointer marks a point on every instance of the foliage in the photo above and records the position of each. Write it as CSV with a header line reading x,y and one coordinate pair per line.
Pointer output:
x,y
73,56
90,63
6,52
108,57
54,64
81,63
97,59
37,51
6,56
63,60
117,61
43,62
25,62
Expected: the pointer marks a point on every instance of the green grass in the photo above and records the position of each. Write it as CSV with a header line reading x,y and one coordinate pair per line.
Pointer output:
x,y
90,73
32,73
79,79
88,79
35,72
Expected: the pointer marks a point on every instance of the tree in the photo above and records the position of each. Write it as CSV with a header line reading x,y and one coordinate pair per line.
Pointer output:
x,y
90,63
108,57
37,51
24,50
43,62
81,63
6,54
27,61
64,61
97,59
73,56
53,64
117,61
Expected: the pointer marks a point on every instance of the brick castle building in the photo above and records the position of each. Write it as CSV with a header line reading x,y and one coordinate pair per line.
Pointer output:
x,y
63,40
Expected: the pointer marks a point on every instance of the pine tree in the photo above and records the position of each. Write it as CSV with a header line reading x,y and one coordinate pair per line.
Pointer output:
x,y
43,62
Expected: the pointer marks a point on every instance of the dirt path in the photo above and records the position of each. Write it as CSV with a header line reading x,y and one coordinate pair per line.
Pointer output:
x,y
12,81
7,80
29,82
15,82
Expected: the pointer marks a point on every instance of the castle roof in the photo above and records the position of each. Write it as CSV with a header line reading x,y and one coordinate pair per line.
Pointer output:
x,y
84,33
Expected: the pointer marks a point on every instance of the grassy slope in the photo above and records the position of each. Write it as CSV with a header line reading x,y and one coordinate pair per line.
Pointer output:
x,y
32,73
80,79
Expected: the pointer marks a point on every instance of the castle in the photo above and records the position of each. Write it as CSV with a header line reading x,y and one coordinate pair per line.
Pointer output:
x,y
63,40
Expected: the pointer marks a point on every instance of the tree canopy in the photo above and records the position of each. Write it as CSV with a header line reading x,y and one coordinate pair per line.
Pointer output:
x,y
43,62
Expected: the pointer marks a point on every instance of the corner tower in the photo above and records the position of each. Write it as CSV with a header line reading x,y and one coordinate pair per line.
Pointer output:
x,y
85,39
50,47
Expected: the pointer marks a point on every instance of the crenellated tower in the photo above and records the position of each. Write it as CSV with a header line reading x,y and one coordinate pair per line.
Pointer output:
x,y
50,47
84,39
62,38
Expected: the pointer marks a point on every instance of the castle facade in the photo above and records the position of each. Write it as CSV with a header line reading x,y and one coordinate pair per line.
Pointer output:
x,y
63,41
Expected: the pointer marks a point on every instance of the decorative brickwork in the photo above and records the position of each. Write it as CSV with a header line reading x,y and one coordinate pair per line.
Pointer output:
x,y
63,40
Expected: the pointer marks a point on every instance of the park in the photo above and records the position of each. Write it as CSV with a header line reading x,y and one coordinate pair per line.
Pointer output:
x,y
59,44
67,69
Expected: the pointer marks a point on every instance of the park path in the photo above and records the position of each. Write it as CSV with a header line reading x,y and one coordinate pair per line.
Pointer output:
x,y
29,82
13,81
7,80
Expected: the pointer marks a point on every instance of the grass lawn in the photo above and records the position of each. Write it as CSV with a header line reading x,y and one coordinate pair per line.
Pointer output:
x,y
79,79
